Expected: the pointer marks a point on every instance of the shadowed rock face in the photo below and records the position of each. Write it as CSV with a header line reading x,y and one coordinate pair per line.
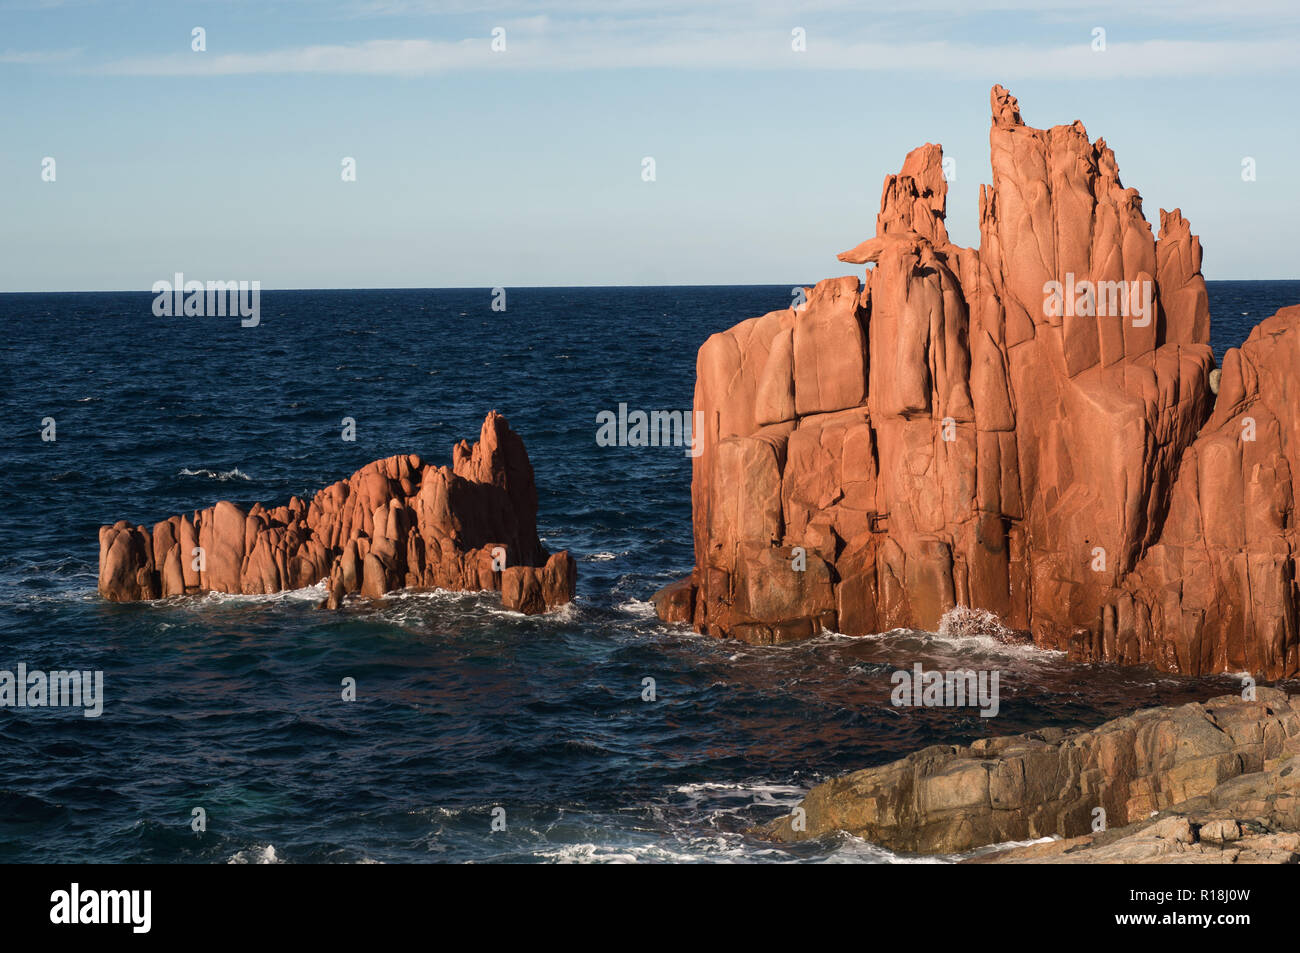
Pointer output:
x,y
970,427
395,523
1230,762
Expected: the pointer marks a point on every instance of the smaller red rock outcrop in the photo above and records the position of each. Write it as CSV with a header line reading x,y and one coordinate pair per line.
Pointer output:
x,y
395,523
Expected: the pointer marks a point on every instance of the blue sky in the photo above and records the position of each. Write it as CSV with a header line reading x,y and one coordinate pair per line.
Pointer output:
x,y
523,167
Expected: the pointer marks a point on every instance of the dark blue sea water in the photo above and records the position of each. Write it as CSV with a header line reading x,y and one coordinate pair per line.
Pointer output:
x,y
232,703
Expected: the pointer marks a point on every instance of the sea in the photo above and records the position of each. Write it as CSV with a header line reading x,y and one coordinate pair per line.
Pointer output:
x,y
593,733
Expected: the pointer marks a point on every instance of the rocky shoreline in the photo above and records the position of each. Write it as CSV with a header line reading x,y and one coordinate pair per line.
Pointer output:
x,y
1217,782
971,430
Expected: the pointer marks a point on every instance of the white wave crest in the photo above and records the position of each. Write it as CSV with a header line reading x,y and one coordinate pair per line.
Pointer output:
x,y
961,622
307,594
221,475
255,855
728,798
641,608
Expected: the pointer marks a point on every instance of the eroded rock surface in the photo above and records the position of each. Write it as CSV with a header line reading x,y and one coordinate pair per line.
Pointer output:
x,y
1224,762
1197,837
969,427
395,523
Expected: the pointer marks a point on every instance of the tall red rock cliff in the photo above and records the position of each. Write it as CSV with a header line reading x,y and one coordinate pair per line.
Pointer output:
x,y
394,523
1027,428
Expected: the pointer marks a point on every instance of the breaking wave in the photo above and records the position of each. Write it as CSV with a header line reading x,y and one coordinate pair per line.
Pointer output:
x,y
220,475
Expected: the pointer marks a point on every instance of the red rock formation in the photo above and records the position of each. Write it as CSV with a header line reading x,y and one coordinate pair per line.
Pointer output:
x,y
395,523
1027,428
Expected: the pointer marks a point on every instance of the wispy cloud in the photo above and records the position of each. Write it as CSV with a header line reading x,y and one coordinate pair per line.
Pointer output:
x,y
914,10
1010,38
36,57
599,49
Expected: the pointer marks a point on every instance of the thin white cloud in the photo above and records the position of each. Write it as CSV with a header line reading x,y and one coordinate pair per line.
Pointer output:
x,y
1237,12
37,57
604,49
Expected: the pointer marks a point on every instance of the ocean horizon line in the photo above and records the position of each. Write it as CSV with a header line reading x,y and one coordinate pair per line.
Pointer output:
x,y
758,284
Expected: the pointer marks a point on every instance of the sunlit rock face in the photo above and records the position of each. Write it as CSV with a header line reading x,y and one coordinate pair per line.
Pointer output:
x,y
1027,428
395,523
1217,781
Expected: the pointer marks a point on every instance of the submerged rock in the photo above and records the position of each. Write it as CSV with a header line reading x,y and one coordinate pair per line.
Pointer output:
x,y
1029,428
1220,767
395,523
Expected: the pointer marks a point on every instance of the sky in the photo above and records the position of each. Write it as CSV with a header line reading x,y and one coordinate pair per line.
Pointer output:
x,y
524,166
